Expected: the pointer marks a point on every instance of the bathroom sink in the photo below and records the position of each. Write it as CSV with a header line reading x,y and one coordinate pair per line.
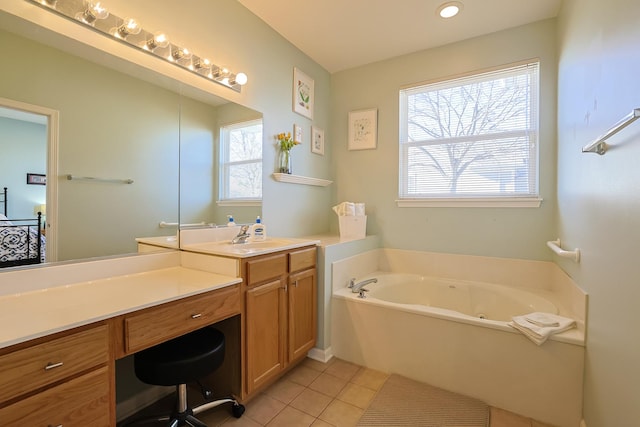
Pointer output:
x,y
242,250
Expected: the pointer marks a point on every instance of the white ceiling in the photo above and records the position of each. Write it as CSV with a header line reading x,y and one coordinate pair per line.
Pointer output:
x,y
343,34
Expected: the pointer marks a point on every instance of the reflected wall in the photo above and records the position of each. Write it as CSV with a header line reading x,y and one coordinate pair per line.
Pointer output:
x,y
111,126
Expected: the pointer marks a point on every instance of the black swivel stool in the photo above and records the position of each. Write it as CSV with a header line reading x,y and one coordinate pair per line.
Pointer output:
x,y
182,360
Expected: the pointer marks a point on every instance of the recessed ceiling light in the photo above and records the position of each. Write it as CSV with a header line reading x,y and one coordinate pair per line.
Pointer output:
x,y
450,9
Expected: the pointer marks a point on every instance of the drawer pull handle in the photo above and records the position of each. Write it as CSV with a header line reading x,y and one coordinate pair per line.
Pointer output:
x,y
195,316
51,425
52,366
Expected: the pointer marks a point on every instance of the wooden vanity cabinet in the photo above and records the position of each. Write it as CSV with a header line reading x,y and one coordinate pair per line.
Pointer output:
x,y
281,313
265,322
59,380
158,324
303,303
302,318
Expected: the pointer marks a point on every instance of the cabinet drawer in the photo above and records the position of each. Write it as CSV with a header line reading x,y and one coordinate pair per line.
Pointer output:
x,y
42,364
173,319
263,269
81,402
299,260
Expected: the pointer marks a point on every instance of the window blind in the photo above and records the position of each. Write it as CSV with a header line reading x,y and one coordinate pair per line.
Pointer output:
x,y
471,137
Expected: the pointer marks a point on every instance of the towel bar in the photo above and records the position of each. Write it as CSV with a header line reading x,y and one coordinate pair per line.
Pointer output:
x,y
555,246
600,145
91,178
164,224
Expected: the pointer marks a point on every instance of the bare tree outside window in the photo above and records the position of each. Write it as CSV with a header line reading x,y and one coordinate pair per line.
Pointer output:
x,y
241,161
475,136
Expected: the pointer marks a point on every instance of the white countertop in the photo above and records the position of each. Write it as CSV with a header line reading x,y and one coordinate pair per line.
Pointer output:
x,y
33,314
244,250
162,241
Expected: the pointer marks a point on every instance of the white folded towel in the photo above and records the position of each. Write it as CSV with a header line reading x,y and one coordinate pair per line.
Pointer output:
x,y
531,325
349,209
542,319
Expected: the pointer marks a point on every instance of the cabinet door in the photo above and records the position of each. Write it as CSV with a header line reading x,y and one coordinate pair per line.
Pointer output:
x,y
302,313
265,330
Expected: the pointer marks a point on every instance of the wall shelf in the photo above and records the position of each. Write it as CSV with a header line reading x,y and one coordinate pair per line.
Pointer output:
x,y
297,179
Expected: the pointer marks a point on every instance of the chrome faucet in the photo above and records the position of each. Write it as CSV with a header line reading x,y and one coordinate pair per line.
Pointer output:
x,y
243,235
360,286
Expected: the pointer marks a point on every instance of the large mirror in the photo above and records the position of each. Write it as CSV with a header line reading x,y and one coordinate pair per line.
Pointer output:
x,y
142,154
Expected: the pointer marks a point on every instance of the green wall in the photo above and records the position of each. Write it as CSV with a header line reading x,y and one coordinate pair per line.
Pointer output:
x,y
111,126
371,176
232,36
599,196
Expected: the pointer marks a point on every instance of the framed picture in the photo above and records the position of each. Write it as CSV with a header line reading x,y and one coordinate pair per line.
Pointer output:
x,y
298,134
303,96
37,179
317,140
363,129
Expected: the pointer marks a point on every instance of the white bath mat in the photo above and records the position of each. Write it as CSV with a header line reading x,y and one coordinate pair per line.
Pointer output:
x,y
404,402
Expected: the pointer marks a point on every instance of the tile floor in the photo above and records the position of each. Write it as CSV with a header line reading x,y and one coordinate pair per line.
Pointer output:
x,y
324,395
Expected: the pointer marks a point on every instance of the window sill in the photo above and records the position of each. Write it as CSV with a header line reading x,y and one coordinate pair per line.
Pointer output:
x,y
496,202
239,202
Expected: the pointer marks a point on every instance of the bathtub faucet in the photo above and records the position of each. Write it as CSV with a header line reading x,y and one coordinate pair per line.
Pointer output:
x,y
359,287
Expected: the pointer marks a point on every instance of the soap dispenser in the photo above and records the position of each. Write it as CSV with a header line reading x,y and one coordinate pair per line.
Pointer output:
x,y
230,222
258,231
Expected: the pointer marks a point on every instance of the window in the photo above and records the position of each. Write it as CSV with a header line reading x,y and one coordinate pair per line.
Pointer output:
x,y
471,139
241,162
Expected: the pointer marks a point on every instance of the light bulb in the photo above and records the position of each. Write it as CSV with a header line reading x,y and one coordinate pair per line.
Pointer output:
x,y
201,65
178,53
92,12
49,3
221,73
449,9
241,79
128,27
158,40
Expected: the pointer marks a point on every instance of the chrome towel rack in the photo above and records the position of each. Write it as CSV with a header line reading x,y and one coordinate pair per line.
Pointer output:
x,y
556,246
600,145
164,224
91,178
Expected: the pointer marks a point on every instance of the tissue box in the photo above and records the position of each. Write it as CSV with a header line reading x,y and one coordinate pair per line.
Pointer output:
x,y
353,227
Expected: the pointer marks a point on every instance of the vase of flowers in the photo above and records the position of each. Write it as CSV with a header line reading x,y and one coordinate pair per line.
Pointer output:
x,y
285,144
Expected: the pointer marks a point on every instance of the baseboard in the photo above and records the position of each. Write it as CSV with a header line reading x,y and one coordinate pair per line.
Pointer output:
x,y
320,355
141,400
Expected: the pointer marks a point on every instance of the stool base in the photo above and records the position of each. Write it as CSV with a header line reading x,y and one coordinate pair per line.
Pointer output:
x,y
184,416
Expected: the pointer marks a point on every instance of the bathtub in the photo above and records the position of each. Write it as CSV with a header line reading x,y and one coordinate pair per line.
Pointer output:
x,y
454,334
483,304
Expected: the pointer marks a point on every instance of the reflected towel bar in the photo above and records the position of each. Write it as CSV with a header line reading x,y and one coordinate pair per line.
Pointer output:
x,y
175,224
555,246
164,224
91,178
600,145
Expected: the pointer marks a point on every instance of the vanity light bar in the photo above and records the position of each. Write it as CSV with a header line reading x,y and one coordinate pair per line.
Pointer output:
x,y
128,30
